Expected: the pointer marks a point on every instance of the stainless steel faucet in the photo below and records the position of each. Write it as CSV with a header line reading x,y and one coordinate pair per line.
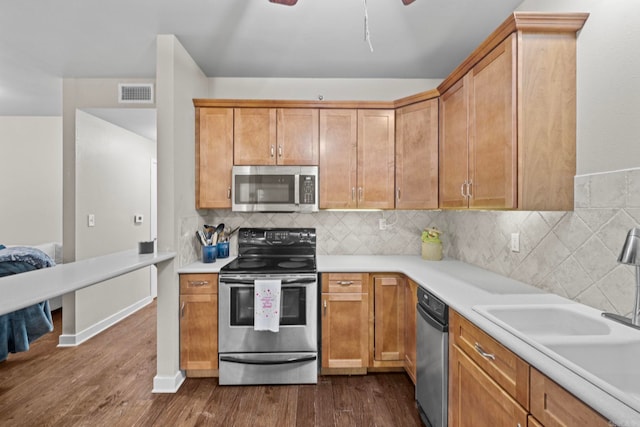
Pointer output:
x,y
629,256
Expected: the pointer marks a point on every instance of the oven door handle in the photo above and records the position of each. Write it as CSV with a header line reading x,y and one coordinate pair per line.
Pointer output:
x,y
250,282
266,361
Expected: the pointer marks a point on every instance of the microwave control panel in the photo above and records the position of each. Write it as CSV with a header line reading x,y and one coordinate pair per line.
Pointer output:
x,y
307,189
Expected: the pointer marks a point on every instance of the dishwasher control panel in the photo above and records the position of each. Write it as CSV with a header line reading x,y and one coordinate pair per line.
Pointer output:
x,y
433,306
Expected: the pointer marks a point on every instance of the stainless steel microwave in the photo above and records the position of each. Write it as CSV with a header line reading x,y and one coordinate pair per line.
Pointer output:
x,y
275,189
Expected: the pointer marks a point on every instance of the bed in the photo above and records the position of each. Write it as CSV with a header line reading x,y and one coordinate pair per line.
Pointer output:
x,y
20,328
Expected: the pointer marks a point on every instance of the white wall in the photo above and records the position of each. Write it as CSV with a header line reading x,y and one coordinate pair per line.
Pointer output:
x,y
113,183
608,82
178,81
82,307
309,89
31,168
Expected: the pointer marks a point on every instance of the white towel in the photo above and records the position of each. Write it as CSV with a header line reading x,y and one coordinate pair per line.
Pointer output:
x,y
266,315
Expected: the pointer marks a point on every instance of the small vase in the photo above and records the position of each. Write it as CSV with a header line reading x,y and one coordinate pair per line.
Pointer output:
x,y
432,251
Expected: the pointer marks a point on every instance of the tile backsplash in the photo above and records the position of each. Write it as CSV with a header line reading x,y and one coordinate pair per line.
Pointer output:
x,y
573,254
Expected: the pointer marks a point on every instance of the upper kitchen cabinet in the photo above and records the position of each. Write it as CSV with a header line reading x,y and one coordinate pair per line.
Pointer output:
x,y
508,118
270,136
297,138
357,158
214,157
255,139
417,155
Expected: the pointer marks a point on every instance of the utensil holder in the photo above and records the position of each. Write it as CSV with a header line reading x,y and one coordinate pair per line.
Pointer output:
x,y
432,251
223,249
209,253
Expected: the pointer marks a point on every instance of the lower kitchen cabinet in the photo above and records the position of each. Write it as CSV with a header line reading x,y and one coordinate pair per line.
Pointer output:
x,y
411,300
553,406
199,324
387,346
345,323
475,399
491,386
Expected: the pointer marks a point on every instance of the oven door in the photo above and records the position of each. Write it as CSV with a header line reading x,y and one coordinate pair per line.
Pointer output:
x,y
298,315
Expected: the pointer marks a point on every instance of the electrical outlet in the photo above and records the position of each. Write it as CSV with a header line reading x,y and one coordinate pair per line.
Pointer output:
x,y
382,224
138,218
91,220
515,242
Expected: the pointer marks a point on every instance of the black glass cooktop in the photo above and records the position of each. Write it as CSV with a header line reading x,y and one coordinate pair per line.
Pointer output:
x,y
274,250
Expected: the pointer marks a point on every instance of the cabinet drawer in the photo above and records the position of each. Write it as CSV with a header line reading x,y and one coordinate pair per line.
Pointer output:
x,y
205,283
504,367
345,282
554,406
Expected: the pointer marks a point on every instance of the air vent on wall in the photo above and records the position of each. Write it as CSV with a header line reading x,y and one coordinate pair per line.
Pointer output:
x,y
136,93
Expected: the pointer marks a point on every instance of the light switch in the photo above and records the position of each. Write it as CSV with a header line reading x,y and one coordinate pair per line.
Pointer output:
x,y
515,242
91,220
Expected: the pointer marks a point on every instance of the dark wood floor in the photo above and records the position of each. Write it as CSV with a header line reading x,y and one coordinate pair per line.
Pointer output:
x,y
107,381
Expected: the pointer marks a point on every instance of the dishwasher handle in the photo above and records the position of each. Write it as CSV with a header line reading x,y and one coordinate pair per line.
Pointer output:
x,y
434,323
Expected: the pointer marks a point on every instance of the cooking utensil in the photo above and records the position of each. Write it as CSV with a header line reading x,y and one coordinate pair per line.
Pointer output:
x,y
219,229
201,237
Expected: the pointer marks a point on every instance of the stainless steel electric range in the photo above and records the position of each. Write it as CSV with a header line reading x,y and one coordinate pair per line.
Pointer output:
x,y
286,257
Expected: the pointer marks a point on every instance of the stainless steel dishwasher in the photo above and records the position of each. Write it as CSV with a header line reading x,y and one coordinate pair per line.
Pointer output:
x,y
432,359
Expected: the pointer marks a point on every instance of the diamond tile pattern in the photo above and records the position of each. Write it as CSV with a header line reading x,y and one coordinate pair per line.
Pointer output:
x,y
573,254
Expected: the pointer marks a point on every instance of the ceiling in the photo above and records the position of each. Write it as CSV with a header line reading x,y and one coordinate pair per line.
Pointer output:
x,y
43,41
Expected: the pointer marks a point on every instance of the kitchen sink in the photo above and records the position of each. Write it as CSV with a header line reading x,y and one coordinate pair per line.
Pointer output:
x,y
610,364
546,320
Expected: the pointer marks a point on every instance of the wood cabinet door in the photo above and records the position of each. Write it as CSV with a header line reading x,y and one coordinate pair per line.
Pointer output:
x,y
199,331
492,129
453,152
214,157
254,136
338,158
475,399
376,158
297,136
556,407
411,300
417,156
389,318
345,330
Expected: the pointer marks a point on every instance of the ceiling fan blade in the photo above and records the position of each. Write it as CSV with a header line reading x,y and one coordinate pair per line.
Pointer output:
x,y
286,2
407,2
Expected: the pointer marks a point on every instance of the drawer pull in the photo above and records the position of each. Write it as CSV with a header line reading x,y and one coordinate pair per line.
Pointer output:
x,y
198,283
483,353
345,282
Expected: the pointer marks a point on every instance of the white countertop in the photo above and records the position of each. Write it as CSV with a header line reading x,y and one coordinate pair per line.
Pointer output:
x,y
463,286
24,289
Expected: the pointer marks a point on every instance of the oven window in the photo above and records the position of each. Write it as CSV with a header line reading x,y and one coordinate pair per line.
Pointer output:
x,y
265,189
292,306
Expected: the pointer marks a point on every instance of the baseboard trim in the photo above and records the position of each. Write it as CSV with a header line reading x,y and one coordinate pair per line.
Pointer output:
x,y
168,384
72,340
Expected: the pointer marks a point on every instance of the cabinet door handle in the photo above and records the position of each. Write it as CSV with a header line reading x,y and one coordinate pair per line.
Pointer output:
x,y
353,194
464,195
229,193
360,193
345,282
469,185
198,283
483,353
273,151
398,194
279,150
325,307
182,310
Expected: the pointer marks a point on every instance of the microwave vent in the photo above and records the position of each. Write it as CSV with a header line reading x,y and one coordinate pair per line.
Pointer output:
x,y
135,93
